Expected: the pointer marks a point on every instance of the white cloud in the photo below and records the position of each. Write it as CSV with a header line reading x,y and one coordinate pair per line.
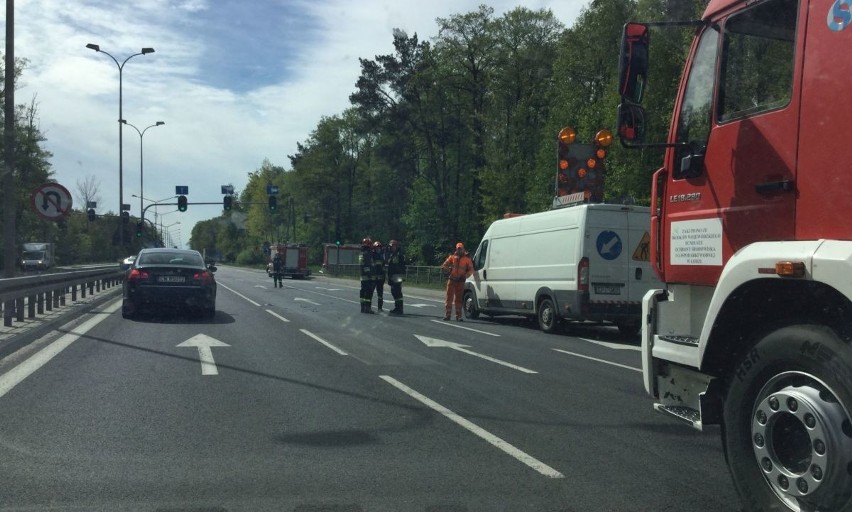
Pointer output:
x,y
212,135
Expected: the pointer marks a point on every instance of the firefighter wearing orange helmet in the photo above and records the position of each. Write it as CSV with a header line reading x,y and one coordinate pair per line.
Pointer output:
x,y
365,262
457,267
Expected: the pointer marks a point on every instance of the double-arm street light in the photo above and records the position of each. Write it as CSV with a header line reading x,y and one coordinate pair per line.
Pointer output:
x,y
144,51
154,203
141,167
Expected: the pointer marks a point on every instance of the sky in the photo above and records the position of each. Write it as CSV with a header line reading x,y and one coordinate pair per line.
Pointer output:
x,y
235,82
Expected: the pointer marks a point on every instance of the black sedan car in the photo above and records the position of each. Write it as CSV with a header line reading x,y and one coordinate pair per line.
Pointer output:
x,y
171,277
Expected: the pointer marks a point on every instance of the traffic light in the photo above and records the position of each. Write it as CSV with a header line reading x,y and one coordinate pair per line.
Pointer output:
x,y
273,203
140,229
125,217
182,203
228,202
91,213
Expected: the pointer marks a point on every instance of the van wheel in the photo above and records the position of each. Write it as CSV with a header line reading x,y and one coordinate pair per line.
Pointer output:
x,y
470,311
547,319
628,330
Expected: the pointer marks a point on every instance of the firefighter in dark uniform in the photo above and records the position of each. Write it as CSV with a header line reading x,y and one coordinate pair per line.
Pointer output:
x,y
379,273
277,267
365,262
396,273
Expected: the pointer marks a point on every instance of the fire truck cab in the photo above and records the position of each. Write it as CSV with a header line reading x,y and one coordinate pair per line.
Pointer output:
x,y
751,233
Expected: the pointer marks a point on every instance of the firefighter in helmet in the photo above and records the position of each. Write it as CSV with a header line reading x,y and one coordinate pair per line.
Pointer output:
x,y
277,268
396,273
379,273
365,262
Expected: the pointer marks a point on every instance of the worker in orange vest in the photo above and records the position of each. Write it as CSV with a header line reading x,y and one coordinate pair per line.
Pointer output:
x,y
457,267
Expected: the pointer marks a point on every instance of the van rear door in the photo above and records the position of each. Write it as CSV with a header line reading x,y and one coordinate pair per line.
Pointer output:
x,y
606,245
641,276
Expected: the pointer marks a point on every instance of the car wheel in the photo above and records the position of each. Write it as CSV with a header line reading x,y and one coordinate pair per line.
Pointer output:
x,y
210,311
128,309
787,426
547,319
470,310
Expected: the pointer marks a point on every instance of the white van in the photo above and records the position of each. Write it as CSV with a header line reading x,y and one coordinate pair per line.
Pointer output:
x,y
588,262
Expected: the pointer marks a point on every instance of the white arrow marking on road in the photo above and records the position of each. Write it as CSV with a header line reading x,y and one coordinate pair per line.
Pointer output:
x,y
420,305
615,346
434,342
599,360
260,286
329,289
205,354
306,300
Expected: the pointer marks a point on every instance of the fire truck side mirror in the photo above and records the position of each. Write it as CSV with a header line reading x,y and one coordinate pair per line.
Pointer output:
x,y
633,63
631,123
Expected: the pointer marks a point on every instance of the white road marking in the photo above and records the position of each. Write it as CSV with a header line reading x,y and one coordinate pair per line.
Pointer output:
x,y
238,294
422,305
276,315
615,346
495,441
327,344
451,324
300,299
599,360
204,343
329,289
17,374
435,342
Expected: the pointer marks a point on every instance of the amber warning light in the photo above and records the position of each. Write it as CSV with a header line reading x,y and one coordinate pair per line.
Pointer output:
x,y
580,169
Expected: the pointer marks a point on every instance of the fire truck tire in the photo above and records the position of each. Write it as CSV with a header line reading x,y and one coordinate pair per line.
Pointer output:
x,y
548,321
787,429
471,312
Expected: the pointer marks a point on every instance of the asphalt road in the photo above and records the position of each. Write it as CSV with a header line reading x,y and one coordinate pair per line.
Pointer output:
x,y
289,399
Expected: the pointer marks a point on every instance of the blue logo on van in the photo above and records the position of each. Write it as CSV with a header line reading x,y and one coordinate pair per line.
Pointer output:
x,y
609,245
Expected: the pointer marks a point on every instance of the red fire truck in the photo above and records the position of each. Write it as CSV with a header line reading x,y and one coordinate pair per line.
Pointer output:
x,y
295,260
751,233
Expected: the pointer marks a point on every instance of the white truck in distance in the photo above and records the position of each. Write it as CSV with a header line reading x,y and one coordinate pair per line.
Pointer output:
x,y
37,256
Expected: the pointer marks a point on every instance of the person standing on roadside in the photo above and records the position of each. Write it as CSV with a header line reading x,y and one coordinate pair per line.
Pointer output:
x,y
379,273
396,274
365,262
457,267
277,267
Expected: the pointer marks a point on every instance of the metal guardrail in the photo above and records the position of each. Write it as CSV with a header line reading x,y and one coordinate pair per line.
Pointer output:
x,y
34,294
413,274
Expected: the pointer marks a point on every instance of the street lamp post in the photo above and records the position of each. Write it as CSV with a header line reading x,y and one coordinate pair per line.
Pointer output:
x,y
141,167
144,51
155,204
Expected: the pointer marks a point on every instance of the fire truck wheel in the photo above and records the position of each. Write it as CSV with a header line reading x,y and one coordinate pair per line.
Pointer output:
x,y
470,310
787,427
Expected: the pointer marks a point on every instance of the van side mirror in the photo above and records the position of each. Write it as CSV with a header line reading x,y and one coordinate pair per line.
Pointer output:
x,y
633,62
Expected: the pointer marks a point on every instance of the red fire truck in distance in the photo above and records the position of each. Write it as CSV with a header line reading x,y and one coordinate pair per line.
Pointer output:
x,y
751,232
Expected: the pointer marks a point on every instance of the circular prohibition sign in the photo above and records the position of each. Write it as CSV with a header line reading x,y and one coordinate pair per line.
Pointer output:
x,y
51,201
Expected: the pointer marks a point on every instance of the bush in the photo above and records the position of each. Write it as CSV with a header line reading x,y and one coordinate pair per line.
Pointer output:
x,y
249,257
